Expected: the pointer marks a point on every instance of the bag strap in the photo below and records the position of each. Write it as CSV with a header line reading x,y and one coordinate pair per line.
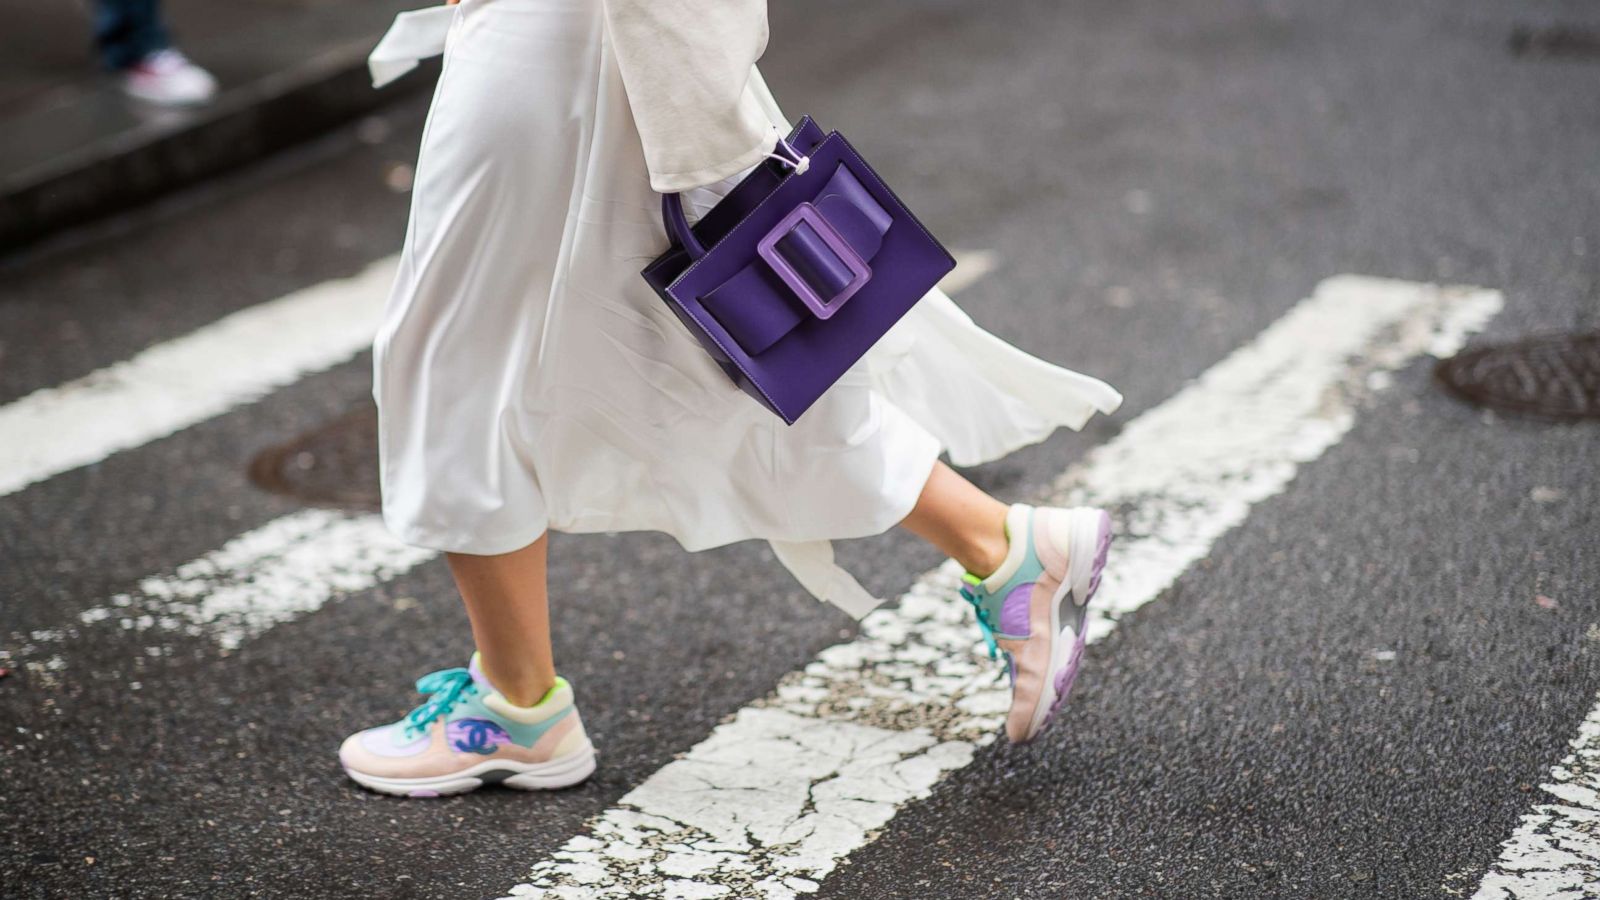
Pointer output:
x,y
678,226
672,204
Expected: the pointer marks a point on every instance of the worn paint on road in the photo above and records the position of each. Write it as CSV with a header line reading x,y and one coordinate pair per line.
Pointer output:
x,y
1555,853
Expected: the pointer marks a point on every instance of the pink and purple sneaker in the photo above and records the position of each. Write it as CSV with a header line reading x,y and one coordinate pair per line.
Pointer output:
x,y
467,735
1035,605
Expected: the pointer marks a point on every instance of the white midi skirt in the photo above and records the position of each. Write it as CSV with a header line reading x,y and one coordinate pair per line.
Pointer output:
x,y
527,378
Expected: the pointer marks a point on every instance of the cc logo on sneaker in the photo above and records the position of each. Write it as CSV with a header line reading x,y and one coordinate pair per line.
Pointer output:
x,y
477,736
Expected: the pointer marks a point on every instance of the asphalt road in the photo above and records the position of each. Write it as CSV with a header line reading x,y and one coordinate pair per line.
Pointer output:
x,y
1354,695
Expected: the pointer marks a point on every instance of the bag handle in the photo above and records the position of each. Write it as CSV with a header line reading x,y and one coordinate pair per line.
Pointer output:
x,y
677,223
678,226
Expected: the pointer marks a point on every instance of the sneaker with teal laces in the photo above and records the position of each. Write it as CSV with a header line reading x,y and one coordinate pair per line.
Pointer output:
x,y
467,735
1035,605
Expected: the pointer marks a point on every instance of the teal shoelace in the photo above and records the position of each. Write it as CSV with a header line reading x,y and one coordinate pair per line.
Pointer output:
x,y
445,688
986,626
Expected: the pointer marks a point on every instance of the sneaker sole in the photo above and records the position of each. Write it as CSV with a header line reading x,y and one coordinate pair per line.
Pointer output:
x,y
552,775
1089,528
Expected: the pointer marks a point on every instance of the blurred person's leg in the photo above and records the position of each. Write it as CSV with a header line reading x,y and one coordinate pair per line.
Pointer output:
x,y
133,42
126,31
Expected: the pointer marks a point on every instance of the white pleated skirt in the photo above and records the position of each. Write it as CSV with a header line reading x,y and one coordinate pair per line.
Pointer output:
x,y
527,378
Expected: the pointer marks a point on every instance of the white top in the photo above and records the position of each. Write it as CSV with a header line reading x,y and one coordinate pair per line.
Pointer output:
x,y
688,68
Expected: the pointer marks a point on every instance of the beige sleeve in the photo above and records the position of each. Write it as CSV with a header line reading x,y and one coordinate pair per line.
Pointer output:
x,y
688,67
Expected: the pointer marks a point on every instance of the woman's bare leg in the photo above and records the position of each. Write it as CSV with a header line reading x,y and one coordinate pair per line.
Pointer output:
x,y
509,606
965,523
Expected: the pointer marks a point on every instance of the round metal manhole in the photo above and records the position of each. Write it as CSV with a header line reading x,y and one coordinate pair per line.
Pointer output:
x,y
335,464
1556,376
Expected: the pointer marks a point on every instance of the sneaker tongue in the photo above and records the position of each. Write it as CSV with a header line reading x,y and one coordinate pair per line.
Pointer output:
x,y
475,668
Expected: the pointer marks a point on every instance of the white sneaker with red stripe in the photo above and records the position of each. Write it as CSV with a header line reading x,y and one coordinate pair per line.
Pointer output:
x,y
168,78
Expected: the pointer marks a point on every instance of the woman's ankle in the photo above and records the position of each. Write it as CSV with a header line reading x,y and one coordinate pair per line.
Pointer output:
x,y
986,554
519,686
961,520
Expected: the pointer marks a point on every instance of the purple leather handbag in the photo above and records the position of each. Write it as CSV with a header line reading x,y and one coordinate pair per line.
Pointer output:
x,y
798,271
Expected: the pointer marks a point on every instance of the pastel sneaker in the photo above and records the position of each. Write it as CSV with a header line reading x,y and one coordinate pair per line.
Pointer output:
x,y
1035,605
467,735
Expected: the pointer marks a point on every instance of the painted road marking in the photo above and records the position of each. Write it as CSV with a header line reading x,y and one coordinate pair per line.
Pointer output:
x,y
282,570
273,574
1555,852
178,383
770,803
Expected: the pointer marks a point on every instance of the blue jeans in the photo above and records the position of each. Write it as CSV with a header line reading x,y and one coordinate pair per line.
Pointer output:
x,y
126,31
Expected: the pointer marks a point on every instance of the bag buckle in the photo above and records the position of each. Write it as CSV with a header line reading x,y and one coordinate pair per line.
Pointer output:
x,y
814,260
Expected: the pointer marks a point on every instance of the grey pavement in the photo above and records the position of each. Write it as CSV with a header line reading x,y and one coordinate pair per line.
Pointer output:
x,y
1160,182
74,148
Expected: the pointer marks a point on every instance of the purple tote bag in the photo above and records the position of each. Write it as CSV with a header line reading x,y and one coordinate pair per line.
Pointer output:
x,y
798,271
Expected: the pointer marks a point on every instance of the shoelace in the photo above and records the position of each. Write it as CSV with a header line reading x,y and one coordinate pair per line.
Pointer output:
x,y
444,688
986,626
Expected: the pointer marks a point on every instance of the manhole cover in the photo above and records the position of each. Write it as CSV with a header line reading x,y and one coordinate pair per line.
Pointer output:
x,y
335,464
1557,376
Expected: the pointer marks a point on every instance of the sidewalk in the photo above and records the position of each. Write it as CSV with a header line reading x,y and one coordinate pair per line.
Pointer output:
x,y
73,148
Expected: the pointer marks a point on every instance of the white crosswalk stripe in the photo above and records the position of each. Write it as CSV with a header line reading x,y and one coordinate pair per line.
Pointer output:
x,y
1555,852
773,799
275,573
269,575
187,380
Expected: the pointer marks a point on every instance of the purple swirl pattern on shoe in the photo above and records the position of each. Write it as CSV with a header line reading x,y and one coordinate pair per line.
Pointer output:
x,y
1014,610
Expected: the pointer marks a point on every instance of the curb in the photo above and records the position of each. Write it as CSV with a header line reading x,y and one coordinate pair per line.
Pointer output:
x,y
244,124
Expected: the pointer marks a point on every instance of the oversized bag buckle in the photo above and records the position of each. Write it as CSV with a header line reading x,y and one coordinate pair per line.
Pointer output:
x,y
814,260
